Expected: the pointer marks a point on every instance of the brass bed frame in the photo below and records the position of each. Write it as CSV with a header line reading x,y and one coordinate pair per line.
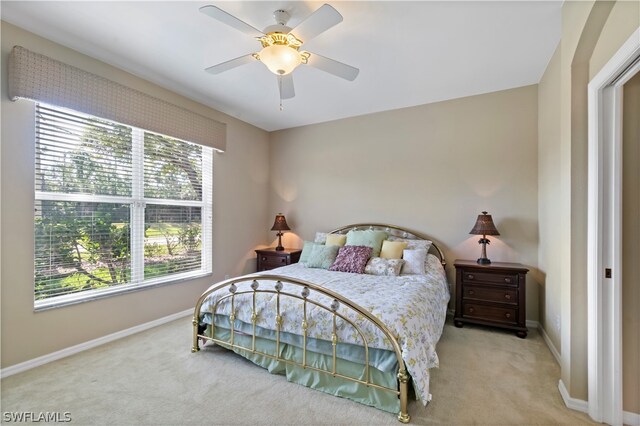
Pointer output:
x,y
306,289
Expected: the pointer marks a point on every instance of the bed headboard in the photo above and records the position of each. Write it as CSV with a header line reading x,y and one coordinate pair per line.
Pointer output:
x,y
395,231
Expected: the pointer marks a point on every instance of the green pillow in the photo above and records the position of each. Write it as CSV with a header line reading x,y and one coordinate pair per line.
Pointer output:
x,y
369,238
322,256
306,251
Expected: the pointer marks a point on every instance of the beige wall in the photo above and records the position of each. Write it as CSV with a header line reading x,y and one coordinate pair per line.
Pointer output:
x,y
631,246
432,168
621,23
550,199
591,34
240,195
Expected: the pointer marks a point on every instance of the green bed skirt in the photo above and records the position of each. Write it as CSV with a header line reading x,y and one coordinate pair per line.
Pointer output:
x,y
325,382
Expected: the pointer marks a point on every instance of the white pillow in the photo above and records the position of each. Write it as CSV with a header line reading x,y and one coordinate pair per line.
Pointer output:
x,y
321,238
414,260
382,266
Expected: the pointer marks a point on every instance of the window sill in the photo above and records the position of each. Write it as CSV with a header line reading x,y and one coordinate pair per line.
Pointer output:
x,y
91,295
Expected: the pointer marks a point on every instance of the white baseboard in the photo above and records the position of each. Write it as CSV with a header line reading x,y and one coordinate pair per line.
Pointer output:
x,y
54,356
550,345
573,403
631,419
545,337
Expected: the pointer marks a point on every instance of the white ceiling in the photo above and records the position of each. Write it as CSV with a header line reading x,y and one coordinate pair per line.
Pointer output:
x,y
408,53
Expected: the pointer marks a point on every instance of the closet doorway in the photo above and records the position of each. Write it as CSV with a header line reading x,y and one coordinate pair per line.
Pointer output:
x,y
614,236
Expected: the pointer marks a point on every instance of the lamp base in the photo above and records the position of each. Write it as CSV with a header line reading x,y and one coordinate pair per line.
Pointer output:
x,y
280,247
483,260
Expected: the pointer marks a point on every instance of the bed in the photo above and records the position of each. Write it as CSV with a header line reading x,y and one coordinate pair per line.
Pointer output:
x,y
360,336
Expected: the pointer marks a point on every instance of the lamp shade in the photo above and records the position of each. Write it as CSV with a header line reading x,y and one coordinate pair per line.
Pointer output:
x,y
484,225
280,59
280,224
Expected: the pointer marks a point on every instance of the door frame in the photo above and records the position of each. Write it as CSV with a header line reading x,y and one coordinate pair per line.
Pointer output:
x,y
604,247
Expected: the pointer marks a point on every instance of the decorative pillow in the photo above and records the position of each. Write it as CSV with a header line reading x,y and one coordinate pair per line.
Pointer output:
x,y
306,251
367,238
351,259
414,261
380,266
336,240
413,244
392,249
321,237
322,256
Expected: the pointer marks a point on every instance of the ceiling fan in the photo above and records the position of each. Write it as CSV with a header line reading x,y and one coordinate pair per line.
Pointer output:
x,y
281,46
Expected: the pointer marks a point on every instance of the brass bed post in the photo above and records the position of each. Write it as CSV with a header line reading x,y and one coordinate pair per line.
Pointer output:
x,y
278,318
334,342
196,346
403,378
254,316
305,326
232,314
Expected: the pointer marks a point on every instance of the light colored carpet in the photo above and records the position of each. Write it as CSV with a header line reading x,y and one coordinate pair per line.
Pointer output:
x,y
486,377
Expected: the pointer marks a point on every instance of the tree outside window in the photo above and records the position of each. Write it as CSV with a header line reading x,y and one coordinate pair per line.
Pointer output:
x,y
116,205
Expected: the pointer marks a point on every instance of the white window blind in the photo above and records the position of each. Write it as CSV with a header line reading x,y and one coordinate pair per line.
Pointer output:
x,y
116,207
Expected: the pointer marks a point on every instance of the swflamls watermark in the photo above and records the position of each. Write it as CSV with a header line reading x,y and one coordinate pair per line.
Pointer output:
x,y
31,416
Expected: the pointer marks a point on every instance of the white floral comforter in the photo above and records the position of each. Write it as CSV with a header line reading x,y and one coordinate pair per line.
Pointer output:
x,y
413,307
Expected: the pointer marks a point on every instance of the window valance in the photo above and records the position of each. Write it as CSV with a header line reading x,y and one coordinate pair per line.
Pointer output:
x,y
40,78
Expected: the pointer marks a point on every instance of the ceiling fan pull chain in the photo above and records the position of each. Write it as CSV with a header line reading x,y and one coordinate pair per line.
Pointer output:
x,y
280,91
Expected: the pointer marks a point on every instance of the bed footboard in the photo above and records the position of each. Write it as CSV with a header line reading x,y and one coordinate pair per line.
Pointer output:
x,y
274,285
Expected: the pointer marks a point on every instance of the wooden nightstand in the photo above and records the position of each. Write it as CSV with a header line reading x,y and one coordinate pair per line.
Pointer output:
x,y
491,294
270,258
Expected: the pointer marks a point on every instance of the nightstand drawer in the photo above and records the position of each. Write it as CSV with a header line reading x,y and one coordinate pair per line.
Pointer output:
x,y
490,313
490,277
273,261
271,258
490,294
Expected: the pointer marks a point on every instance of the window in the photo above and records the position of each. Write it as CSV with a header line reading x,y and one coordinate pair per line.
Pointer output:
x,y
116,207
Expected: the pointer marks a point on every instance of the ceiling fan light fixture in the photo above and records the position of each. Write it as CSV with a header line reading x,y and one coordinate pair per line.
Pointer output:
x,y
281,59
281,45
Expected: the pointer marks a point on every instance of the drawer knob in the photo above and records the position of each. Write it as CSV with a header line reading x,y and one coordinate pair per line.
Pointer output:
x,y
470,276
471,292
471,310
507,280
264,259
507,296
283,260
508,315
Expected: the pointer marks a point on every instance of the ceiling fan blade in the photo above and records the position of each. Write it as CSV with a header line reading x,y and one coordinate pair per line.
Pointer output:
x,y
333,67
318,22
225,66
232,21
285,84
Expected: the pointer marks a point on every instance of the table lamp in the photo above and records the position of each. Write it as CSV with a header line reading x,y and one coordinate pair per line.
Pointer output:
x,y
484,226
280,224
